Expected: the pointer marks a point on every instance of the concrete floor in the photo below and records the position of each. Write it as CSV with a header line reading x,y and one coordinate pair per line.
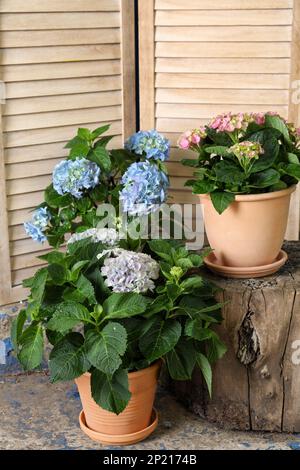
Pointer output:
x,y
37,415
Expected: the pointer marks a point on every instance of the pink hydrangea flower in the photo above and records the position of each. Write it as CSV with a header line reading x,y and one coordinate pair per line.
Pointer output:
x,y
191,139
229,122
259,118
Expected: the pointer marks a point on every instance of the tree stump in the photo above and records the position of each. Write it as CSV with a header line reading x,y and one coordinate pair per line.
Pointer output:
x,y
256,386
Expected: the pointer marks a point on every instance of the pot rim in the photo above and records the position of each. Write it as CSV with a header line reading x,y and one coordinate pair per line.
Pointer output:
x,y
259,197
133,375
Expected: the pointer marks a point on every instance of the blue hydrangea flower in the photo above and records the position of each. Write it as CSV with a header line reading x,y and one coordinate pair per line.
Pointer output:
x,y
35,228
145,188
73,176
149,143
41,217
35,232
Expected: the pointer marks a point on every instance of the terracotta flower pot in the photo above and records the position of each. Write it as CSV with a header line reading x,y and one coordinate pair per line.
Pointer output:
x,y
135,423
250,232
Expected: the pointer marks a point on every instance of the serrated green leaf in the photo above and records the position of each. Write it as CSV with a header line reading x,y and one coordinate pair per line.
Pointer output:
x,y
68,359
276,122
105,348
86,289
161,338
181,360
99,131
205,368
17,328
84,134
111,392
194,329
58,273
101,157
218,150
124,305
31,347
222,200
38,285
55,200
80,150
68,315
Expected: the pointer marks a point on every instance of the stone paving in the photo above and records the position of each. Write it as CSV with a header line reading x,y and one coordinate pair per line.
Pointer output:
x,y
37,415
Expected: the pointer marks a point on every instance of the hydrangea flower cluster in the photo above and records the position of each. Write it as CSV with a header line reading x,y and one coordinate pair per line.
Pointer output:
x,y
36,227
73,176
127,271
145,188
247,151
108,236
230,122
149,143
192,139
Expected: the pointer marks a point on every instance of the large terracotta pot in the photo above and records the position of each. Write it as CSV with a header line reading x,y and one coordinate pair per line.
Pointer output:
x,y
135,423
250,232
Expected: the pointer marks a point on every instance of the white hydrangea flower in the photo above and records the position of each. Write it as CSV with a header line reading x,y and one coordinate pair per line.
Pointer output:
x,y
108,236
127,271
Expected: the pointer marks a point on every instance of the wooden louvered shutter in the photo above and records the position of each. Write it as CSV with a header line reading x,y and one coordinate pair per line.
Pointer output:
x,y
199,58
66,64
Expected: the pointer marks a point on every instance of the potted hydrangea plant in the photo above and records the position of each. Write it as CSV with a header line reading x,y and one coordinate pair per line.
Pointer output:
x,y
246,170
113,308
111,314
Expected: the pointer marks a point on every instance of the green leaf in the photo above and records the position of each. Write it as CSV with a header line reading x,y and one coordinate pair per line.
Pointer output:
x,y
215,349
17,328
268,138
194,163
205,368
68,359
67,315
192,283
54,257
99,131
101,157
228,172
162,248
55,200
84,134
173,291
293,169
181,360
124,305
80,150
160,339
105,349
31,347
222,200
111,393
38,285
292,158
218,150
77,268
75,141
58,273
86,289
194,329
204,187
159,304
219,138
277,123
265,178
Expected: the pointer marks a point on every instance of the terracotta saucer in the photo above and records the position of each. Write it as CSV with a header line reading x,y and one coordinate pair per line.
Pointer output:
x,y
245,273
121,440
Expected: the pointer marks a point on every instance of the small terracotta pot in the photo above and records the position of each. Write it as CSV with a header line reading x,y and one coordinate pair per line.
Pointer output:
x,y
250,232
136,417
